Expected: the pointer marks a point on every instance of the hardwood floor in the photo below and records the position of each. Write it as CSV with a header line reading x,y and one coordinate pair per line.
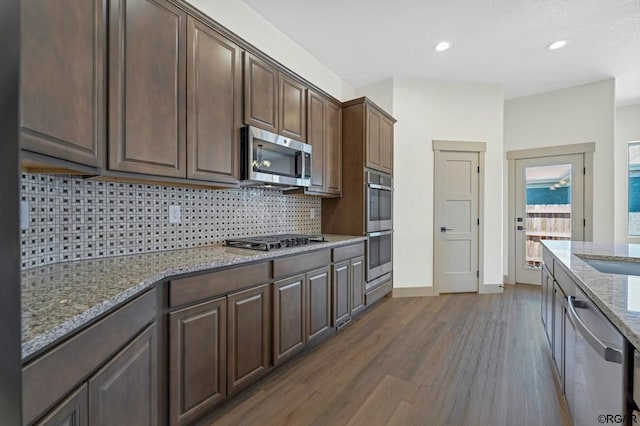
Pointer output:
x,y
460,359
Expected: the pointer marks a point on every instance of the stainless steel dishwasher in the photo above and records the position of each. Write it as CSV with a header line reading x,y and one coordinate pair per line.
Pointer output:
x,y
594,381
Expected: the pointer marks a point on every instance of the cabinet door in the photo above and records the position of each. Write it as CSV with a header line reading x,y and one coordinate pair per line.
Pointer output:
x,y
318,304
558,332
288,318
333,149
357,284
549,323
316,137
197,361
341,293
248,325
63,87
386,145
147,86
214,102
73,411
543,297
373,137
260,93
124,391
293,108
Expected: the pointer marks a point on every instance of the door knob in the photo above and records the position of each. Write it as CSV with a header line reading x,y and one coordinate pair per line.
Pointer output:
x,y
445,229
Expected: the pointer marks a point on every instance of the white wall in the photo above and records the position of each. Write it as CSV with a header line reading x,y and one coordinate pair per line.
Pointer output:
x,y
575,115
436,110
627,129
381,93
238,17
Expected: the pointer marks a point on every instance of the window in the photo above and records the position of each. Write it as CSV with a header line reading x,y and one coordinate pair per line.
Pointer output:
x,y
634,188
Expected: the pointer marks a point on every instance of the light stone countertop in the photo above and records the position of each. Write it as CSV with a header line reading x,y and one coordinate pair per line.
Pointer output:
x,y
59,299
617,296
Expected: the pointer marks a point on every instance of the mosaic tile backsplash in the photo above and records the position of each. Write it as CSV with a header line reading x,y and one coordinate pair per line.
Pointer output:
x,y
71,218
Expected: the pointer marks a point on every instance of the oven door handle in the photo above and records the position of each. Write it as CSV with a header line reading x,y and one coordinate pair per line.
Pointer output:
x,y
381,187
379,234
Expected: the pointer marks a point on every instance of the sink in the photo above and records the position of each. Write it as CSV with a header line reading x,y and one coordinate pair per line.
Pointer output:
x,y
620,267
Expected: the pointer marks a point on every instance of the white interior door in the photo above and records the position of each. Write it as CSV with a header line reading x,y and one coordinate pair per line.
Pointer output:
x,y
549,205
456,221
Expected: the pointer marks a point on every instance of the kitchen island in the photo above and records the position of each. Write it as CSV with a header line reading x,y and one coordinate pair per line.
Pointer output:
x,y
616,295
590,311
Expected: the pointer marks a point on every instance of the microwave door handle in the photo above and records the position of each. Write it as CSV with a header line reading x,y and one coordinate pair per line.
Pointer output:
x,y
606,352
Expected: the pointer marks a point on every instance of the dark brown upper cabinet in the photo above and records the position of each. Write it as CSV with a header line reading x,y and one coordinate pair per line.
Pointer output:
x,y
316,119
379,139
63,79
333,149
292,109
197,360
260,93
147,87
386,145
214,104
273,100
324,135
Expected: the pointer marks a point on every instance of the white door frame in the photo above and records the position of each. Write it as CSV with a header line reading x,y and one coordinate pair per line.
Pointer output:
x,y
551,151
460,146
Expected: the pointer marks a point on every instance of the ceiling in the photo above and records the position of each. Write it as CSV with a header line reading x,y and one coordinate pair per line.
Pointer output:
x,y
494,41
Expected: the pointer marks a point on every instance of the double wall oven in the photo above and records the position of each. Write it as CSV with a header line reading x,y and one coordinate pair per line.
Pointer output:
x,y
379,227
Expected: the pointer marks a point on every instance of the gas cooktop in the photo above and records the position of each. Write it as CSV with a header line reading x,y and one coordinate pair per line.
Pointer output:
x,y
269,242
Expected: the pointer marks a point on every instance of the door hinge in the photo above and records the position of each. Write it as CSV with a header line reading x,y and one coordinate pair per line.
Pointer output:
x,y
478,221
584,222
584,171
478,169
477,274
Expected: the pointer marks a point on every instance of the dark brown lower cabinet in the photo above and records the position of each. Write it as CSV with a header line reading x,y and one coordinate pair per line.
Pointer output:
x,y
357,284
123,392
288,317
318,304
249,337
341,293
197,360
73,411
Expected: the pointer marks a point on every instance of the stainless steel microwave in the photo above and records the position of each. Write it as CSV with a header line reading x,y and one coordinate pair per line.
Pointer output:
x,y
272,159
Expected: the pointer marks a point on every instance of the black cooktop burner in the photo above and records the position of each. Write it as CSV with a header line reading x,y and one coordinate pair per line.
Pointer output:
x,y
269,242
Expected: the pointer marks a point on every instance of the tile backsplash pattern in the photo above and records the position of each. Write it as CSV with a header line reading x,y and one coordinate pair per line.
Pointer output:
x,y
71,218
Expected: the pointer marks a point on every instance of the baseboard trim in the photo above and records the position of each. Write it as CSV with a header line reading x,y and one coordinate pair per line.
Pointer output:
x,y
412,291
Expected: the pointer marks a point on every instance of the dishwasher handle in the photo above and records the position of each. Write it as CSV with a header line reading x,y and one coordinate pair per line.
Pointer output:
x,y
606,352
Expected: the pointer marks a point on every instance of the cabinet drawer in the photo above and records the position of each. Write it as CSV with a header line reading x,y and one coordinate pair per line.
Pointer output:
x,y
193,289
348,252
300,263
51,376
547,259
565,282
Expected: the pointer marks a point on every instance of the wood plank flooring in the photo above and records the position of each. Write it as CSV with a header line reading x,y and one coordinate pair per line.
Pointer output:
x,y
461,359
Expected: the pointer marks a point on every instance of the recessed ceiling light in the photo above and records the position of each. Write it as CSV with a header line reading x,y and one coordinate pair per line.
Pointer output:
x,y
557,44
442,46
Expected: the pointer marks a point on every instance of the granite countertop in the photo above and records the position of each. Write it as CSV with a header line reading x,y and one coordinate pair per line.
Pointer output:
x,y
617,296
59,299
